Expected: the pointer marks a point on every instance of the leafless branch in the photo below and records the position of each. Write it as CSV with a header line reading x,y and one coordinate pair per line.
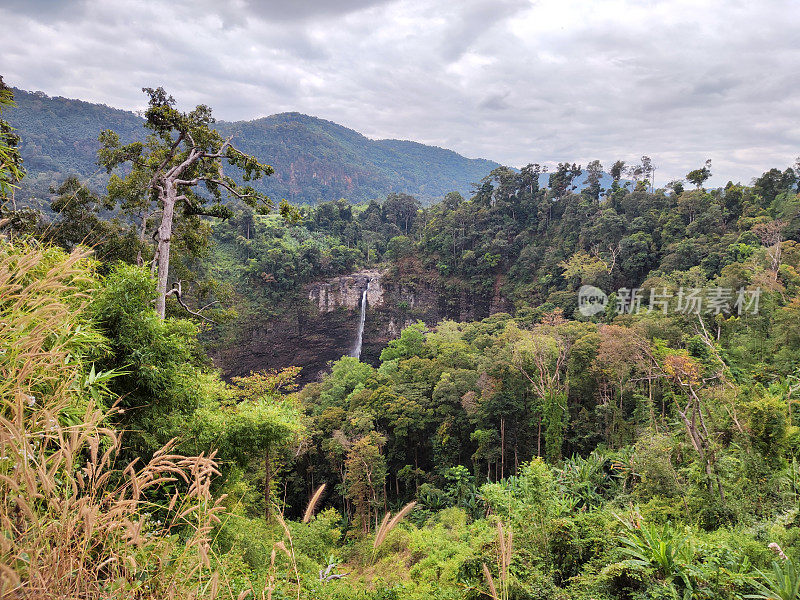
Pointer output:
x,y
177,291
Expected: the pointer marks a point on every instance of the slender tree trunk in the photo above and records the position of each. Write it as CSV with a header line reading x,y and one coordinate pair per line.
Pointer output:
x,y
699,442
416,468
539,438
267,483
502,447
164,241
516,456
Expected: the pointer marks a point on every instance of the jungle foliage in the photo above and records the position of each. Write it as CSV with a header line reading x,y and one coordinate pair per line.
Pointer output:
x,y
534,453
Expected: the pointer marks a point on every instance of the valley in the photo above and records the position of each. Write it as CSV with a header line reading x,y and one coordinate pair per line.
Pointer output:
x,y
275,358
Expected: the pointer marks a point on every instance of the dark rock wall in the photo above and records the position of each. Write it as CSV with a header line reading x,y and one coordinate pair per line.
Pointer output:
x,y
323,328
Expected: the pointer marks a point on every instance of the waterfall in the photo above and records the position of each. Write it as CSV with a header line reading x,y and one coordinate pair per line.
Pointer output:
x,y
357,348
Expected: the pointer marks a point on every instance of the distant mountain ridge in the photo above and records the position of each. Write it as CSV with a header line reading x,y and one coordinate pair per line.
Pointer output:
x,y
314,159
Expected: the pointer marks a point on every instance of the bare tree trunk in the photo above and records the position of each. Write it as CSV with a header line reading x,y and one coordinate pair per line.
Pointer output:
x,y
516,456
776,259
164,241
539,438
700,443
502,447
267,484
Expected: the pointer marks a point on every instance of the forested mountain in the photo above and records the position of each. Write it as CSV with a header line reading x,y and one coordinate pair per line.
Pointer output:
x,y
315,160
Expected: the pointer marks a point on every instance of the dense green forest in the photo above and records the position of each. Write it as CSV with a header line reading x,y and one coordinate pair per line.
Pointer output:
x,y
648,450
314,159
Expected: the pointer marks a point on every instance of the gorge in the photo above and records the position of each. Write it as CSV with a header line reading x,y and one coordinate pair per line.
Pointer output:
x,y
326,320
356,314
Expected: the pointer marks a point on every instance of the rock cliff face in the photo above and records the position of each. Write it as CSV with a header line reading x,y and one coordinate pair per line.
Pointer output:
x,y
346,292
322,325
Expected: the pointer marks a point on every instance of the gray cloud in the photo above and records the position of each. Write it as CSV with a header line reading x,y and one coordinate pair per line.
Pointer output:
x,y
511,80
495,102
300,10
46,10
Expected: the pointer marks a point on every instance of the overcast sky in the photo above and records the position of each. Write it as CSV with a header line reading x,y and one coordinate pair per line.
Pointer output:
x,y
510,80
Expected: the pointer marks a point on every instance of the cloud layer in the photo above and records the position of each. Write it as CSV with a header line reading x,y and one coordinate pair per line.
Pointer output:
x,y
510,80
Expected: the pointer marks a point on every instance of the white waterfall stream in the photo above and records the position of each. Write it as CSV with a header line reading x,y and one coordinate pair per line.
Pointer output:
x,y
357,348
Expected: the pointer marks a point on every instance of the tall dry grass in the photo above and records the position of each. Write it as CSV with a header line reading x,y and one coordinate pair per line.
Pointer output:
x,y
388,523
505,550
74,523
312,504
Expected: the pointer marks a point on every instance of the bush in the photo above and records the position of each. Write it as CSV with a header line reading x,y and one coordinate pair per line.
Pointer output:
x,y
769,427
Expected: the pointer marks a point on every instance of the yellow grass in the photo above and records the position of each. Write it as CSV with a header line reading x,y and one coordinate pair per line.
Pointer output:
x,y
76,525
390,523
312,504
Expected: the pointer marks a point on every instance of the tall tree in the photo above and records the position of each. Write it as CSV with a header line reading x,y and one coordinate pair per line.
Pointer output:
x,y
594,172
401,210
25,220
642,174
164,174
561,179
648,170
11,172
541,356
365,474
684,370
79,220
771,235
617,170
699,176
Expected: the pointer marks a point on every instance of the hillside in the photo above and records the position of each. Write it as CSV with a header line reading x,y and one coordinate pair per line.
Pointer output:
x,y
315,160
59,137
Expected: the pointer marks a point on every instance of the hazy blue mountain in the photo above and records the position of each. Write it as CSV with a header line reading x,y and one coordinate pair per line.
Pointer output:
x,y
314,159
580,181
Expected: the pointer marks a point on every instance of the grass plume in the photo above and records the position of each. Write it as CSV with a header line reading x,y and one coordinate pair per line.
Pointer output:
x,y
390,523
312,504
490,581
505,549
